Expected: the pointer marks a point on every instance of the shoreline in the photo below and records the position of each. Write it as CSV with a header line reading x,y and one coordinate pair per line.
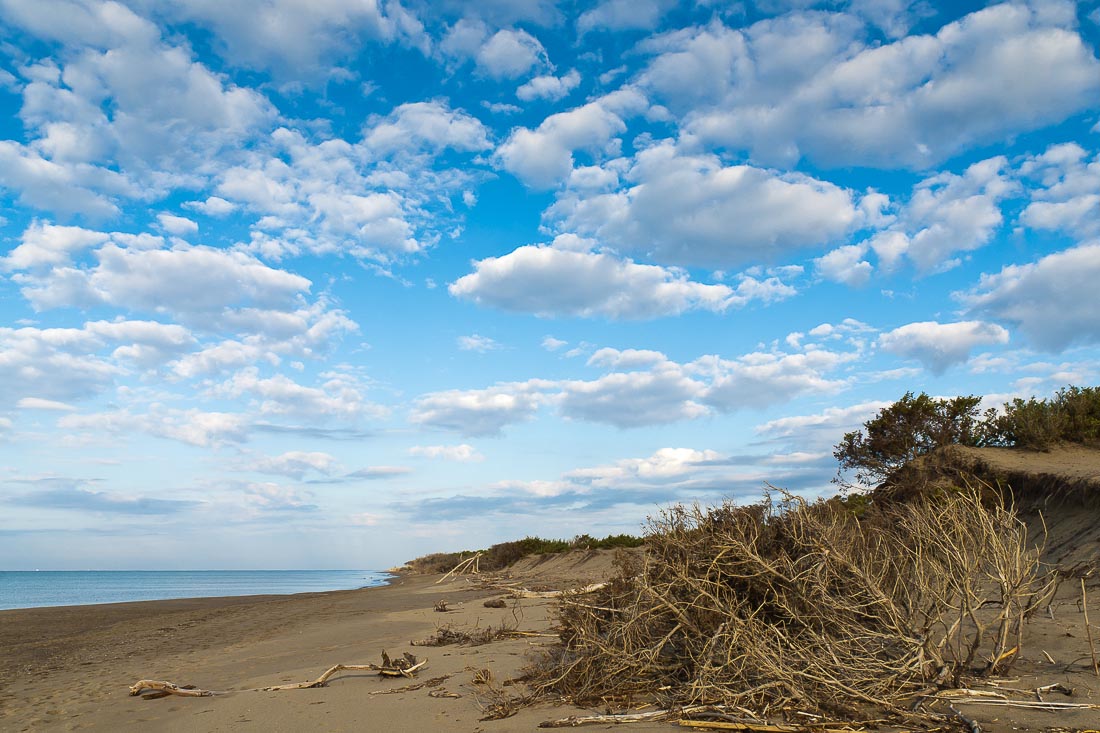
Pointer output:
x,y
384,577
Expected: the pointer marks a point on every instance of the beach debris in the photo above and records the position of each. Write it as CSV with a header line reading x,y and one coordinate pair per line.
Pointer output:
x,y
441,606
433,682
164,689
444,693
495,603
524,593
1088,629
469,566
808,606
447,635
406,666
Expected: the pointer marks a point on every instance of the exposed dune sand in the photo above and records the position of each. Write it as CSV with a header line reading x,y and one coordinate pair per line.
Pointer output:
x,y
70,668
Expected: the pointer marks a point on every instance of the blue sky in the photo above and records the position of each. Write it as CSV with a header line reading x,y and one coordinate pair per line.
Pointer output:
x,y
338,283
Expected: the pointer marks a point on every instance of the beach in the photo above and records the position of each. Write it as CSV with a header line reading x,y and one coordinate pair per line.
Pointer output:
x,y
70,668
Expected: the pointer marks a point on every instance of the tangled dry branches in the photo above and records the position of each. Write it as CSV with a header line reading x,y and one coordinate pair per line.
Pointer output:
x,y
790,604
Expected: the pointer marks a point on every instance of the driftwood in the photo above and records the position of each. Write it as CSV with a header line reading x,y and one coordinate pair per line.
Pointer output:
x,y
406,666
524,593
167,688
469,565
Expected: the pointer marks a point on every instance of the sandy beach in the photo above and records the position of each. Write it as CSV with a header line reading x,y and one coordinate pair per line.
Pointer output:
x,y
70,668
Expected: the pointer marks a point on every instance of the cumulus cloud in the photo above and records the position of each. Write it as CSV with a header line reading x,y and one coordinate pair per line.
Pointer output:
x,y
1067,197
941,345
947,214
845,265
548,281
181,226
192,283
48,245
822,430
477,343
549,87
463,453
340,396
479,412
121,98
432,126
688,210
806,85
645,388
295,464
1052,300
60,365
618,15
294,39
543,157
194,427
510,53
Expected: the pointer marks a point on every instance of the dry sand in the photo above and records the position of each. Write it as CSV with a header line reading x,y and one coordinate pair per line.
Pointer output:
x,y
69,668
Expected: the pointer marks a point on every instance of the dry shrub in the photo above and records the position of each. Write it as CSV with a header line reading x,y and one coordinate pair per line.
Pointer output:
x,y
788,604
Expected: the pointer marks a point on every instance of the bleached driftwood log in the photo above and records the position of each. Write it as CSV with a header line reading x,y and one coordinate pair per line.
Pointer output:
x,y
524,593
406,666
167,688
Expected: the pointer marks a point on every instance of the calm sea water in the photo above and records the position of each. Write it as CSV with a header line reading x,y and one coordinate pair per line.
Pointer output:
x,y
32,589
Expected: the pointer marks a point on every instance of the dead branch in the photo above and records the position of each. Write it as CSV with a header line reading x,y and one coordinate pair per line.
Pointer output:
x,y
524,593
1088,629
406,666
167,688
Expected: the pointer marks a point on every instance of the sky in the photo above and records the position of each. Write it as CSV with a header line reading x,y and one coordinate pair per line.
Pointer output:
x,y
337,283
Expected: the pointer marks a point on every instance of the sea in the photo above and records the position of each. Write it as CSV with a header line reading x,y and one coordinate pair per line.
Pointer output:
x,y
35,589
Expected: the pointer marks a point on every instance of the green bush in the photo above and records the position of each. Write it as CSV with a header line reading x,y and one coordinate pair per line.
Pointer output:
x,y
910,427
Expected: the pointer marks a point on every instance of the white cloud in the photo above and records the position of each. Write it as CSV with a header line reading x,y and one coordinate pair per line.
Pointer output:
x,y
941,345
67,364
694,210
477,343
295,464
618,15
1068,196
552,344
510,53
821,430
214,206
463,453
49,245
951,213
544,156
178,225
123,96
845,265
653,391
194,427
548,282
762,379
1053,300
37,403
805,85
198,285
295,39
663,394
549,87
431,126
481,411
340,396
627,359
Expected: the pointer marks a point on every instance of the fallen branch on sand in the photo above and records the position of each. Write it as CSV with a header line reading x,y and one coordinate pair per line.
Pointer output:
x,y
163,689
406,666
723,722
470,565
524,593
